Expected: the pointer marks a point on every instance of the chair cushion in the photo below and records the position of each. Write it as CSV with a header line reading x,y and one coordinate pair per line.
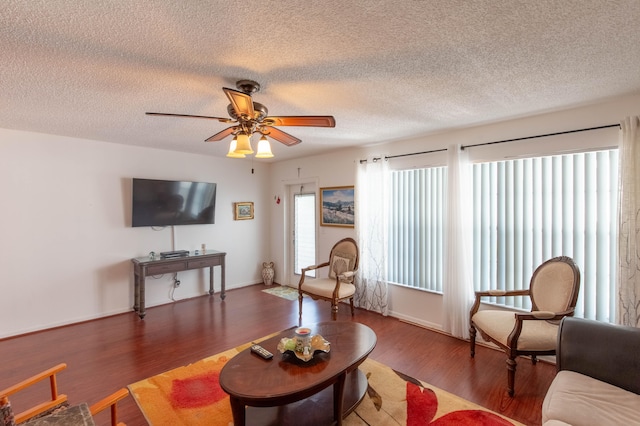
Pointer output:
x,y
341,262
536,335
577,399
6,413
324,287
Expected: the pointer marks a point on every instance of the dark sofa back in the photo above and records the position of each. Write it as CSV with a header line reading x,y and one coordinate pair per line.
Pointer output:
x,y
607,352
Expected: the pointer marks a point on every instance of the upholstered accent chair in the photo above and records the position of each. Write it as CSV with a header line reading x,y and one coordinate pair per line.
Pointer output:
x,y
339,284
56,401
553,290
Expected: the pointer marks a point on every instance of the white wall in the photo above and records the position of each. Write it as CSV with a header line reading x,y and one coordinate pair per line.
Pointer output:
x,y
339,169
65,227
66,240
336,169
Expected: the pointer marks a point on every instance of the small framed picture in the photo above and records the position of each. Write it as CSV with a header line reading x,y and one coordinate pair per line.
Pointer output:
x,y
337,206
243,211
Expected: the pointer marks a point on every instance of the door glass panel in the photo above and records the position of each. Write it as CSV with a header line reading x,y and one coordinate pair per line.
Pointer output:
x,y
304,236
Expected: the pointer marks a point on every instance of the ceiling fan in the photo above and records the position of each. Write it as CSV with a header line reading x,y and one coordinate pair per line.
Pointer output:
x,y
252,117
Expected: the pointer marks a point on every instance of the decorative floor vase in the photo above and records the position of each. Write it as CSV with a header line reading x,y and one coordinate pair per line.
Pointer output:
x,y
268,273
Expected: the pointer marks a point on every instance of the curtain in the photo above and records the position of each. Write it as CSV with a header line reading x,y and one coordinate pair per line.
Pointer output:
x,y
371,233
458,282
628,283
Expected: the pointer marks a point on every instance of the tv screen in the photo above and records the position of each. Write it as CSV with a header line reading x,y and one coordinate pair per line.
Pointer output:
x,y
166,202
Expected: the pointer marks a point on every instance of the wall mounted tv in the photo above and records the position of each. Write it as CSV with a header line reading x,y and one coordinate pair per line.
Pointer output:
x,y
167,202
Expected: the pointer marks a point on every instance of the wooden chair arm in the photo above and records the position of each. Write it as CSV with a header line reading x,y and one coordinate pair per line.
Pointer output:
x,y
494,293
543,315
533,316
536,315
309,268
347,274
56,399
110,402
339,278
33,379
312,267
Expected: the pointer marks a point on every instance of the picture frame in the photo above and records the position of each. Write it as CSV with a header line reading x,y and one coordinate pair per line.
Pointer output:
x,y
337,206
243,210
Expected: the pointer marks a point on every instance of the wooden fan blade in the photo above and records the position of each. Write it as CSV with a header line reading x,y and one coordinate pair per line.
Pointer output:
x,y
241,102
304,120
222,120
221,135
282,137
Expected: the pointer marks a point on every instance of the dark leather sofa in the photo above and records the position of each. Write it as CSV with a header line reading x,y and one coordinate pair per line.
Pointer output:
x,y
598,380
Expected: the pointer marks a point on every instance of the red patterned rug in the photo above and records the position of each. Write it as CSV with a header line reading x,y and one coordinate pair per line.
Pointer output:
x,y
191,395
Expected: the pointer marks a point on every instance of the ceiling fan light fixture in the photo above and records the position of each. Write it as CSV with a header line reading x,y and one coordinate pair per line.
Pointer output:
x,y
264,148
252,117
243,145
232,149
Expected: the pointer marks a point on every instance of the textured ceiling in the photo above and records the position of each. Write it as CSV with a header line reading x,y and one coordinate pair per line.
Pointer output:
x,y
386,70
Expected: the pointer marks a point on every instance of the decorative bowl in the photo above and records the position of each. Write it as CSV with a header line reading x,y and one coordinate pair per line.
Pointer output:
x,y
317,343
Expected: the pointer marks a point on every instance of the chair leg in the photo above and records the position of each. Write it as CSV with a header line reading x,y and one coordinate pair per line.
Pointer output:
x,y
351,303
511,375
472,340
534,359
334,310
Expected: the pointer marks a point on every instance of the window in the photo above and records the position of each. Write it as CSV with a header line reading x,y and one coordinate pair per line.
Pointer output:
x,y
529,210
416,228
525,211
304,234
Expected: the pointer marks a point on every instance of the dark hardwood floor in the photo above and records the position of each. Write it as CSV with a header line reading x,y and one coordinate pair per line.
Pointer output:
x,y
107,354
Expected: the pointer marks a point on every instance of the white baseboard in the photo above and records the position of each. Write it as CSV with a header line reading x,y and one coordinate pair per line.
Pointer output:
x,y
416,321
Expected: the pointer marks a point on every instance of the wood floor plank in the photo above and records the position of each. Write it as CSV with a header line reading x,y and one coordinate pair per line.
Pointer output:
x,y
106,354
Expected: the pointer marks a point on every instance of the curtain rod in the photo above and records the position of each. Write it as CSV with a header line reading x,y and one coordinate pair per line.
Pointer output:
x,y
496,142
404,155
542,136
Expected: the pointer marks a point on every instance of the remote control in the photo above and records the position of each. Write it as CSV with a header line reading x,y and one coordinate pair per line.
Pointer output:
x,y
257,349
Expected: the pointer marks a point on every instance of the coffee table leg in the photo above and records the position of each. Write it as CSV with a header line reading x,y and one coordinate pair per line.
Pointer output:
x,y
238,411
338,394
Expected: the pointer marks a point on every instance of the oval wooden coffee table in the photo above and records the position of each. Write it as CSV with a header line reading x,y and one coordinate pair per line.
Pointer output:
x,y
289,391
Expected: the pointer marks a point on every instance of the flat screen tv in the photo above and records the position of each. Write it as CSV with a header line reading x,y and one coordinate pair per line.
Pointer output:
x,y
167,203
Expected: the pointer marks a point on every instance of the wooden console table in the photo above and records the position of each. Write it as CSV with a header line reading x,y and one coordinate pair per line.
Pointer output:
x,y
144,266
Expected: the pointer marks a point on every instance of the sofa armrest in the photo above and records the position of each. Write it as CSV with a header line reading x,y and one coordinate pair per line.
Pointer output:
x,y
606,352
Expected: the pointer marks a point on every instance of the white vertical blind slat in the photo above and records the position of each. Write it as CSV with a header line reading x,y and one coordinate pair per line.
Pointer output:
x,y
603,240
590,218
579,222
613,233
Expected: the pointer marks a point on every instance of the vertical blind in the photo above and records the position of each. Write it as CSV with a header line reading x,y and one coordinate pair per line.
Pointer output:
x,y
416,227
525,211
529,210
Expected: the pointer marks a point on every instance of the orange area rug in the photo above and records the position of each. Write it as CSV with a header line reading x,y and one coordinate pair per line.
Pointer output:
x,y
191,396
